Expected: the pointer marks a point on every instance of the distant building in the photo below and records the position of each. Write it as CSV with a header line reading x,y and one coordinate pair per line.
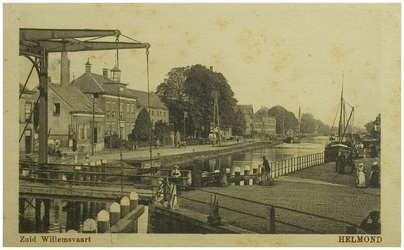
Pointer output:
x,y
120,104
26,121
248,112
263,123
70,119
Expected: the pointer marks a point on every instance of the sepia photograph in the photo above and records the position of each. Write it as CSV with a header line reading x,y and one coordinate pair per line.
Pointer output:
x,y
223,124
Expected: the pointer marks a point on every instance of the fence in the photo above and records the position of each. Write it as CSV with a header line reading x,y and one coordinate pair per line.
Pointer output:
x,y
283,167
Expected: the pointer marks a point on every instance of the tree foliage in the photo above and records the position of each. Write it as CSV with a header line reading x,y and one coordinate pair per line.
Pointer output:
x,y
190,89
308,124
285,120
142,130
161,130
240,124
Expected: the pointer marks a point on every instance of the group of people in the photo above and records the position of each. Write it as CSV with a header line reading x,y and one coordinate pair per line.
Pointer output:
x,y
374,180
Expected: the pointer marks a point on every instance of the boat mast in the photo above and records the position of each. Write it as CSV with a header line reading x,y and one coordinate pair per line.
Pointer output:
x,y
299,120
341,123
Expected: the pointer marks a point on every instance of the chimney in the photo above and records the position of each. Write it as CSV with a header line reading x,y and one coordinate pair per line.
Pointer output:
x,y
105,72
64,69
88,66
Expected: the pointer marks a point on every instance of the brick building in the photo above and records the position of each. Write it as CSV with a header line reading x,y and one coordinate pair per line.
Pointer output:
x,y
70,119
263,123
120,104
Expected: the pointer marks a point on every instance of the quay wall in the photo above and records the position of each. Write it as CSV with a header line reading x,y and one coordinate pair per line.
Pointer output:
x,y
186,158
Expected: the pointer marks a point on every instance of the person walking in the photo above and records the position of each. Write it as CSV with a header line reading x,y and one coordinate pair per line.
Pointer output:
x,y
176,178
360,176
267,169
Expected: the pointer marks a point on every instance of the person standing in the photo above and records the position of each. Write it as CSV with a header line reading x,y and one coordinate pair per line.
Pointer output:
x,y
374,181
360,176
176,178
267,169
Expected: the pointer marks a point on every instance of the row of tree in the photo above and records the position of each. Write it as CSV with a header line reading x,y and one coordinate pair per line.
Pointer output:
x,y
286,122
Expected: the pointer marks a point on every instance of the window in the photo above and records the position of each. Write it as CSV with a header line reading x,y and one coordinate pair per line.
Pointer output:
x,y
127,110
108,107
152,112
56,109
85,135
81,131
164,114
121,110
28,107
113,113
108,113
133,110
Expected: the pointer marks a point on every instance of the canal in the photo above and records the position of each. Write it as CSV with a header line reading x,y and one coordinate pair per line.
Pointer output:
x,y
69,215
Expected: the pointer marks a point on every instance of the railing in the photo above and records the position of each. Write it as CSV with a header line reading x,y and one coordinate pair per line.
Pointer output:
x,y
287,166
259,217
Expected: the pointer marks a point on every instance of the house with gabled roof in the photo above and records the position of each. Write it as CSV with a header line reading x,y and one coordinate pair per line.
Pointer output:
x,y
74,120
120,104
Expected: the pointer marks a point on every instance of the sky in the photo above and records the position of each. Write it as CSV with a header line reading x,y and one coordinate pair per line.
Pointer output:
x,y
293,55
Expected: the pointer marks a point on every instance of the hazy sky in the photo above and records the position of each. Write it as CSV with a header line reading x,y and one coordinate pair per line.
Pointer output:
x,y
271,54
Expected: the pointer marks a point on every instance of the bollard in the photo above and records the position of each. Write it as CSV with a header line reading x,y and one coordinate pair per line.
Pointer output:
x,y
270,226
237,174
134,200
103,221
189,180
254,172
247,171
125,202
115,209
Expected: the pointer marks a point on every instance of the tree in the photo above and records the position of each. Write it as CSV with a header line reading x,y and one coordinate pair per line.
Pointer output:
x,y
142,130
308,124
190,89
369,127
322,128
239,125
199,86
285,120
161,130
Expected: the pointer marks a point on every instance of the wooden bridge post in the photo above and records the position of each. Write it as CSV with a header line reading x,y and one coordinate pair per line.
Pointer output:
x,y
86,177
254,172
46,217
125,202
89,226
134,202
115,209
103,221
270,226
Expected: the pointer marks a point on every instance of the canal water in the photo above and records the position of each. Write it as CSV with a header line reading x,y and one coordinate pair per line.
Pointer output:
x,y
244,161
69,215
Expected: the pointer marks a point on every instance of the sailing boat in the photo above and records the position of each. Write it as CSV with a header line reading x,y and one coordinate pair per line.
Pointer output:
x,y
294,138
341,143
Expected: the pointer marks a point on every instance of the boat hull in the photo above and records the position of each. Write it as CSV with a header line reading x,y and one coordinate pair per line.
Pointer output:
x,y
332,151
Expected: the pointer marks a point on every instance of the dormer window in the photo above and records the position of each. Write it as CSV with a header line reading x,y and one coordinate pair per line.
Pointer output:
x,y
116,74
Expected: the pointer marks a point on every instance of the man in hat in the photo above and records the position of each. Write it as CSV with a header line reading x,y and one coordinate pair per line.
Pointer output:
x,y
176,178
267,169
